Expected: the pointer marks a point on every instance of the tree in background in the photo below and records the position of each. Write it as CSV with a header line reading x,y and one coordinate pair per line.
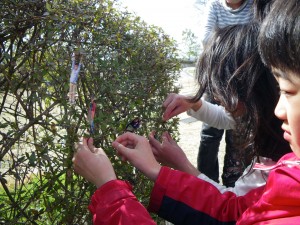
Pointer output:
x,y
192,46
127,66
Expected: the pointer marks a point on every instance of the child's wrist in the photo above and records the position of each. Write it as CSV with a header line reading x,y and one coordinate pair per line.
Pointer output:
x,y
154,173
197,105
100,182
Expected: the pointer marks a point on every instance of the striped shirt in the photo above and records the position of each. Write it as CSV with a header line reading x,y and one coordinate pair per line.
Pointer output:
x,y
220,15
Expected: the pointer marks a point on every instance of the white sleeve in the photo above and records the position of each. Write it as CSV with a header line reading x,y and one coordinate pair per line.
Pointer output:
x,y
250,179
214,115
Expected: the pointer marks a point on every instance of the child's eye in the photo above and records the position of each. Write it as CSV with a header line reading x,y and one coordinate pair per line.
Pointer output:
x,y
286,93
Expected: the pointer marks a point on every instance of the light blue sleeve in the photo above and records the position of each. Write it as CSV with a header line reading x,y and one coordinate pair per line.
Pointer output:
x,y
211,20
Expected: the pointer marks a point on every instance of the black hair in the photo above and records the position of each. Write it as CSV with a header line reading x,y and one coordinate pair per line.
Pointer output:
x,y
231,69
261,8
279,38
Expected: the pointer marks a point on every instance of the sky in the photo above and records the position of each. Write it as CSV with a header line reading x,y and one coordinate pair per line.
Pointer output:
x,y
173,16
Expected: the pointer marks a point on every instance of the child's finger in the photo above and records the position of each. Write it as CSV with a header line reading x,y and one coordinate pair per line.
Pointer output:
x,y
168,101
90,141
128,139
85,141
90,144
121,149
167,136
153,142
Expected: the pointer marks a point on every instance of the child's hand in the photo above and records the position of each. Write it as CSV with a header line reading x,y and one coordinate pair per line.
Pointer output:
x,y
170,154
174,105
93,164
136,149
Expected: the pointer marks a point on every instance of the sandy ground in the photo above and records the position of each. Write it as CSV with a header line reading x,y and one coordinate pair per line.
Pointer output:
x,y
189,128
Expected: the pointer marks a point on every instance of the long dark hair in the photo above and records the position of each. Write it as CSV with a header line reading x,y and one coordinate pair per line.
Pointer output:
x,y
231,69
261,8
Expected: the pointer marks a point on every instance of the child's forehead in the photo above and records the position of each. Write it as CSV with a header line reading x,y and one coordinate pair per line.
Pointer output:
x,y
285,74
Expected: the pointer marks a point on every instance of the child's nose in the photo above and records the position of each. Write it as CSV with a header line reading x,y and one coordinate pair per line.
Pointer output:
x,y
280,111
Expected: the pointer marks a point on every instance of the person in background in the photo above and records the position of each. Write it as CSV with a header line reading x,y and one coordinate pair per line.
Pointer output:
x,y
221,13
76,64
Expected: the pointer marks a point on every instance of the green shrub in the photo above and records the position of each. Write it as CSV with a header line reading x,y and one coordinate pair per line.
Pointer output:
x,y
128,66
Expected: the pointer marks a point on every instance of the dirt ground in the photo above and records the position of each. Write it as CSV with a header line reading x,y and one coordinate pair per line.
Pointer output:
x,y
189,128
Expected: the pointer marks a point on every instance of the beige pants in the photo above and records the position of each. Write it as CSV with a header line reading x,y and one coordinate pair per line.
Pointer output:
x,y
72,93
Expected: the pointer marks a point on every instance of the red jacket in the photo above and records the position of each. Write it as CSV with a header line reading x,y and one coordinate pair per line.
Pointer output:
x,y
115,204
280,202
185,199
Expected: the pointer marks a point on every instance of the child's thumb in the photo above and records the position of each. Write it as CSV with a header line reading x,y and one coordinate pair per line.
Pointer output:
x,y
121,149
